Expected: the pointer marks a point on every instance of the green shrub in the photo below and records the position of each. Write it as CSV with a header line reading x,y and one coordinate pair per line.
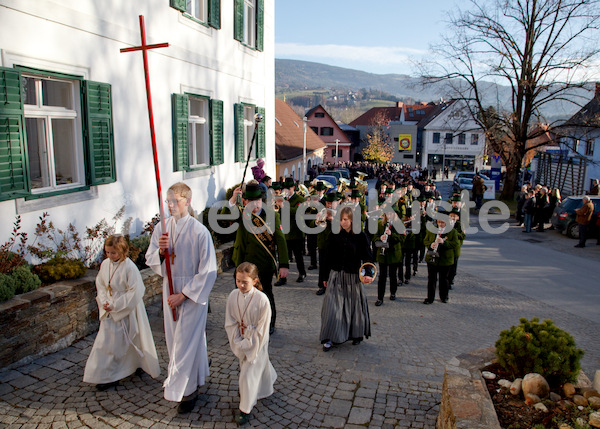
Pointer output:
x,y
7,287
140,244
57,269
25,280
539,347
10,260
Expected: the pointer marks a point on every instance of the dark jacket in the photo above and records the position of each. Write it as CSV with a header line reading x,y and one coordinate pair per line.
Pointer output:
x,y
348,251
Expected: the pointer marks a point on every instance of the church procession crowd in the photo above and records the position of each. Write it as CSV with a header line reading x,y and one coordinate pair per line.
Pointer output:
x,y
350,246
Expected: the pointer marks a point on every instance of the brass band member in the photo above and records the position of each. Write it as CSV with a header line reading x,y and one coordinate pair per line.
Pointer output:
x,y
440,257
388,242
331,202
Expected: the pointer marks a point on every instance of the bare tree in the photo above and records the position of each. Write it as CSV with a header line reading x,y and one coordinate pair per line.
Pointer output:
x,y
541,49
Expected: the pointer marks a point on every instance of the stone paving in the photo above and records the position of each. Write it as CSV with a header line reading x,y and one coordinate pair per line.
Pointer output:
x,y
392,379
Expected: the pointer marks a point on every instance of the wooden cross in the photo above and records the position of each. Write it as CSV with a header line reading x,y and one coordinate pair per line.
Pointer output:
x,y
242,327
144,48
172,256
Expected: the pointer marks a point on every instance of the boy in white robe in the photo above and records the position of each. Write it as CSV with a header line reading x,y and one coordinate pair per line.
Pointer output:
x,y
194,270
124,342
247,321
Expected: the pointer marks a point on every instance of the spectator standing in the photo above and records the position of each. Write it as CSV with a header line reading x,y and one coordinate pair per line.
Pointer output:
x,y
584,216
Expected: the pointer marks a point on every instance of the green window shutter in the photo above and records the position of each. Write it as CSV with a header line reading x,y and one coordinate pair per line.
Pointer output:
x,y
239,132
238,20
14,180
214,13
216,132
180,5
260,23
260,138
181,153
99,132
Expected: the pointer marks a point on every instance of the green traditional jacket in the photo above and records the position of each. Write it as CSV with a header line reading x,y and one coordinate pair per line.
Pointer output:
x,y
446,250
248,248
393,254
295,232
461,238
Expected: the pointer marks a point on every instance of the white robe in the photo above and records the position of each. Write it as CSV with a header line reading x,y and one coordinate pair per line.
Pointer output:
x,y
257,375
124,341
194,271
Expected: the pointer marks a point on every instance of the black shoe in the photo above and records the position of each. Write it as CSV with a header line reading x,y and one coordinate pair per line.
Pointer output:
x,y
242,418
427,302
301,278
187,405
450,286
271,330
414,273
356,342
321,291
280,282
327,346
579,245
378,303
105,386
444,300
392,297
139,372
312,267
400,282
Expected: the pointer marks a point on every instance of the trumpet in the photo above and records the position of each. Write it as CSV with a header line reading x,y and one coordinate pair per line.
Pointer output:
x,y
322,216
276,199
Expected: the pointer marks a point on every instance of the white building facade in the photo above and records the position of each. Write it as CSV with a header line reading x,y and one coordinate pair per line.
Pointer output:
x,y
454,138
74,129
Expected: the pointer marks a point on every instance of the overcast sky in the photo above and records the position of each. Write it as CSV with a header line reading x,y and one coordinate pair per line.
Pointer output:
x,y
379,36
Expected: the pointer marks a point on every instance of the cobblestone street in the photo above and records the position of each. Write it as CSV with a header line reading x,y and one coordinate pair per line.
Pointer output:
x,y
392,379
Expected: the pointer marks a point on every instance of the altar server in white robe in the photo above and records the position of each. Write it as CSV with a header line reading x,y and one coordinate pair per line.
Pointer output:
x,y
124,343
194,270
247,321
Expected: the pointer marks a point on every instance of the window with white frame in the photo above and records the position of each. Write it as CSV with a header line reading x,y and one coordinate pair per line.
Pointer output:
x,y
198,9
474,139
249,131
589,147
462,138
198,132
245,126
249,22
436,137
53,128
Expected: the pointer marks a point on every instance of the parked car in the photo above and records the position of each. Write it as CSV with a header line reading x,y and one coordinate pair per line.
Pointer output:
x,y
328,178
563,218
466,179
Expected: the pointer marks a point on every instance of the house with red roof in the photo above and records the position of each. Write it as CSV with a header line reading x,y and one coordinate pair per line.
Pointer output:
x,y
340,147
290,134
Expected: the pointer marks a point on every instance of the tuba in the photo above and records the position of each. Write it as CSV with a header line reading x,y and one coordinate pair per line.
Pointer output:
x,y
303,191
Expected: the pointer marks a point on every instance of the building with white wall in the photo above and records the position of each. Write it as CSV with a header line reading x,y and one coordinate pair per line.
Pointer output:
x,y
450,135
74,129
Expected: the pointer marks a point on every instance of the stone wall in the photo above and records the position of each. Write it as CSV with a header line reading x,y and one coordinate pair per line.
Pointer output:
x,y
54,317
465,399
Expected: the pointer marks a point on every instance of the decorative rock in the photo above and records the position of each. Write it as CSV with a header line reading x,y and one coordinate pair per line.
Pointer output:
x,y
596,383
581,422
488,375
515,387
564,426
531,399
590,393
569,389
541,407
504,383
555,397
580,400
594,402
594,419
536,384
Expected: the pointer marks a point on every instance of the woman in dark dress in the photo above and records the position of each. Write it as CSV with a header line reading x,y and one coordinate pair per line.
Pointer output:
x,y
345,314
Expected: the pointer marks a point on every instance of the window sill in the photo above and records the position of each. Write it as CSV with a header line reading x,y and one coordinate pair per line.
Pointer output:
x,y
46,201
199,172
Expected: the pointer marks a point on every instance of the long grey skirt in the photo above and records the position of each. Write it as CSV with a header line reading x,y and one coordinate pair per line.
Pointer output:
x,y
345,314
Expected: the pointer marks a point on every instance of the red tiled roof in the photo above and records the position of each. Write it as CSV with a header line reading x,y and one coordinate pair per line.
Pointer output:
x,y
289,134
394,113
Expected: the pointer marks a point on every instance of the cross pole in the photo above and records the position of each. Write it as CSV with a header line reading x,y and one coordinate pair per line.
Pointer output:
x,y
144,48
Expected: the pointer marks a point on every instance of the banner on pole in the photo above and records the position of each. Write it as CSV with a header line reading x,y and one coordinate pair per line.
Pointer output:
x,y
404,142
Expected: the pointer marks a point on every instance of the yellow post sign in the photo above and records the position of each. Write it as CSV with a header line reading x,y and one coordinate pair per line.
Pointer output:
x,y
404,142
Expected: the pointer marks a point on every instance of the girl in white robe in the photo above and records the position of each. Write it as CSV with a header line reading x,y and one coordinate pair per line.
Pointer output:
x,y
124,342
247,321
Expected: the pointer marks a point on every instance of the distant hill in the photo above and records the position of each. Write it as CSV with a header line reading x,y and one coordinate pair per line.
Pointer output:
x,y
293,76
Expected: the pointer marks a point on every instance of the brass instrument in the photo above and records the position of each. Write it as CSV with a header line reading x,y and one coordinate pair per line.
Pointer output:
x,y
303,191
322,216
361,175
367,270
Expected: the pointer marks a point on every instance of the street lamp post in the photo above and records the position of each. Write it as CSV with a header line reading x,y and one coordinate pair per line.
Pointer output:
x,y
304,121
